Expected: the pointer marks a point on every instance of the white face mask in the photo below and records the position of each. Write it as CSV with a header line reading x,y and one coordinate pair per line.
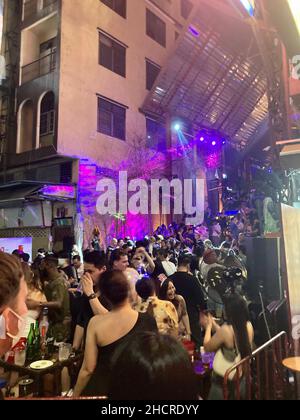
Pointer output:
x,y
11,324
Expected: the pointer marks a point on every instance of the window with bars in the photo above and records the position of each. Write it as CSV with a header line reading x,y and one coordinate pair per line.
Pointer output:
x,y
47,119
47,123
112,54
155,28
111,118
119,6
152,71
48,47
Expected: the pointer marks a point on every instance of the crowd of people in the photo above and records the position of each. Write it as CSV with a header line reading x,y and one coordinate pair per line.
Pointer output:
x,y
135,305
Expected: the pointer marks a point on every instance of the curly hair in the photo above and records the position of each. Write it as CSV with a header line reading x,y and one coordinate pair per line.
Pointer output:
x,y
10,275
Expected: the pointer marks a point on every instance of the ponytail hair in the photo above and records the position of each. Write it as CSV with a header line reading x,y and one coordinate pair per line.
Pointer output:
x,y
237,315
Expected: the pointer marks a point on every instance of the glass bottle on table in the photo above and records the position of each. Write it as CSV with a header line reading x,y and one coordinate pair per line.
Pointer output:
x,y
206,360
30,344
44,325
3,387
10,357
37,340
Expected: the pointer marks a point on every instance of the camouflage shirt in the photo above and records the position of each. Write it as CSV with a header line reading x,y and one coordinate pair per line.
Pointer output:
x,y
56,291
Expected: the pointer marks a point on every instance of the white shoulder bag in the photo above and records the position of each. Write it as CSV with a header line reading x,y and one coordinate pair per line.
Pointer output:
x,y
222,365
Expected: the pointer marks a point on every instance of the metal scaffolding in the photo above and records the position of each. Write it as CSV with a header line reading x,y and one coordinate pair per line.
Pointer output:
x,y
218,75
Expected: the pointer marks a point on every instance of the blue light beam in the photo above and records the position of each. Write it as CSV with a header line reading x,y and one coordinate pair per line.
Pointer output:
x,y
248,6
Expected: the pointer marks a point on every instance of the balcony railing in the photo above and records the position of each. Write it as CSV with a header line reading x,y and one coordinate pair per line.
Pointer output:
x,y
39,68
37,8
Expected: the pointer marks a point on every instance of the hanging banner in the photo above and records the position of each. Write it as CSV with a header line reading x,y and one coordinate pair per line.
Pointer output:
x,y
291,233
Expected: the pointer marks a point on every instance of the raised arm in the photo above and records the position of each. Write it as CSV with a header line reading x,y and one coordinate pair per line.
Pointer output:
x,y
148,258
88,290
90,358
211,343
185,319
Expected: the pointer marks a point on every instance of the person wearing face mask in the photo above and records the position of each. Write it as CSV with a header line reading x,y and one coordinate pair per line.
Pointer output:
x,y
13,294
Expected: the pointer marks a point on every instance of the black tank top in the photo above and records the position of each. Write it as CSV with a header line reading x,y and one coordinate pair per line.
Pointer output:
x,y
100,381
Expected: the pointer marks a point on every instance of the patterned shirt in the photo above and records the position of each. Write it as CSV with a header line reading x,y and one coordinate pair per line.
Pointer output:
x,y
182,312
164,313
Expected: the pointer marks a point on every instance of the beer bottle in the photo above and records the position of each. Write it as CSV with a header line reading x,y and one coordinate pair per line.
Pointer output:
x,y
30,344
37,340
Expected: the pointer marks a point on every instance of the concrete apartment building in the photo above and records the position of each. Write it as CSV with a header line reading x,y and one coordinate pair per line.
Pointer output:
x,y
86,67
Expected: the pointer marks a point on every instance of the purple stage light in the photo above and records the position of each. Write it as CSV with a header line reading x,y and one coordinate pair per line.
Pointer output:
x,y
214,143
202,138
212,161
194,31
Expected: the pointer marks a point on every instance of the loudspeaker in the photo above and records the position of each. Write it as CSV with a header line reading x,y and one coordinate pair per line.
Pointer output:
x,y
264,268
68,243
213,195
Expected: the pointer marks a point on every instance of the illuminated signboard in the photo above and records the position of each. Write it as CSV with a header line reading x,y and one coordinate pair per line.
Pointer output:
x,y
59,191
295,9
291,231
21,244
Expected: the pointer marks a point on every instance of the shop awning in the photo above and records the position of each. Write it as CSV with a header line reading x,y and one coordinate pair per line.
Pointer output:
x,y
16,196
17,193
